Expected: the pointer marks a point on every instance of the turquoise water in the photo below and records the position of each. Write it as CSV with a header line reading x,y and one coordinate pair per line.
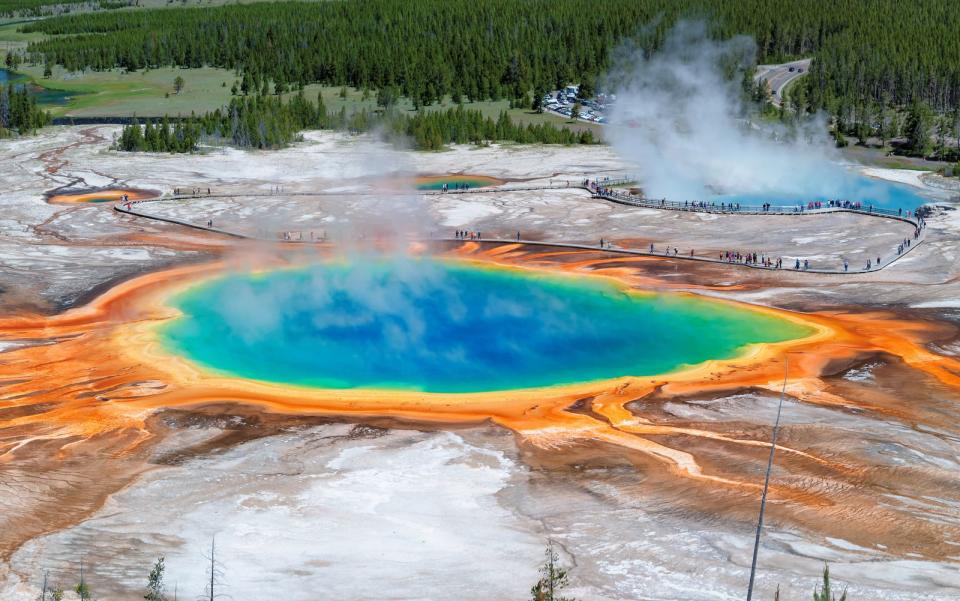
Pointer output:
x,y
44,95
454,182
449,327
848,186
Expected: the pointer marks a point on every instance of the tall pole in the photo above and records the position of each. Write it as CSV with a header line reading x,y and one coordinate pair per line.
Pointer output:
x,y
766,482
213,543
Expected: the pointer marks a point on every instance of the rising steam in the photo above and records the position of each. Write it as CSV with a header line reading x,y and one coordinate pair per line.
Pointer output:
x,y
681,119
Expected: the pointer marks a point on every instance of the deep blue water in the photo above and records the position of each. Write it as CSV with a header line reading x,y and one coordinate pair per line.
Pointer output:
x,y
6,76
449,327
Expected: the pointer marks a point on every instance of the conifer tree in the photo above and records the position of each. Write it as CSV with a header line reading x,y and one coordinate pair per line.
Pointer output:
x,y
553,579
824,592
155,582
918,129
82,589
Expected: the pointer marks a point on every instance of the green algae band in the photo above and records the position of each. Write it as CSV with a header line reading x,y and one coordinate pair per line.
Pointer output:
x,y
442,326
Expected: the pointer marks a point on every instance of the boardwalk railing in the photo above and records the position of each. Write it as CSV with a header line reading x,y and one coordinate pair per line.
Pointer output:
x,y
738,209
702,258
605,190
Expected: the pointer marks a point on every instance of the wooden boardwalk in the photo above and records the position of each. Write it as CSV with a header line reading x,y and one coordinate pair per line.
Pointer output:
x,y
136,208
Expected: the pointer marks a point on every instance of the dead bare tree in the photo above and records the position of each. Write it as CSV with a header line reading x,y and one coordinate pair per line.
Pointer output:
x,y
43,590
215,573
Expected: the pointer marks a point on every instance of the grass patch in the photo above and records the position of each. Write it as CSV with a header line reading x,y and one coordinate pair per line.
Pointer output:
x,y
11,39
898,163
119,94
151,93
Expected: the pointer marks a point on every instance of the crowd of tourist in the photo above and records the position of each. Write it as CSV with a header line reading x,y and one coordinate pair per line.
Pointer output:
x,y
456,187
749,258
600,188
603,188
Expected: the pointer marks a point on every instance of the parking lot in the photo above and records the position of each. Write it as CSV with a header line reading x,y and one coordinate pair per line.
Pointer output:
x,y
592,110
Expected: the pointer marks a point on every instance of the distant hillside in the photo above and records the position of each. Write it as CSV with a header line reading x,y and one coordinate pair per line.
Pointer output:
x,y
863,50
38,8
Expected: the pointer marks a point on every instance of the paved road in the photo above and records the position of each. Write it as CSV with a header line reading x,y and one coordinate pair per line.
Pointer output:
x,y
778,76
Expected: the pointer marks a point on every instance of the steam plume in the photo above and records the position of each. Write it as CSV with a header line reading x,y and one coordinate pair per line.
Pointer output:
x,y
680,117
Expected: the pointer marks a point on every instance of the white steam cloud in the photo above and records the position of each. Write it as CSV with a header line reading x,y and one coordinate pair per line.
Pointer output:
x,y
680,118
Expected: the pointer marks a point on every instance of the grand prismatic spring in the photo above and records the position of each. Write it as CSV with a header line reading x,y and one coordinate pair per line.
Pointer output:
x,y
369,372
566,348
426,315
451,327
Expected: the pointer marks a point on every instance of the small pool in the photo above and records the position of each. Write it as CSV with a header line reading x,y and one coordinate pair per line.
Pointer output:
x,y
44,96
449,326
100,196
456,182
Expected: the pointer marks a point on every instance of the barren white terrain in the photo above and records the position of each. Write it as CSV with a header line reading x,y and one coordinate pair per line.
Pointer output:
x,y
343,512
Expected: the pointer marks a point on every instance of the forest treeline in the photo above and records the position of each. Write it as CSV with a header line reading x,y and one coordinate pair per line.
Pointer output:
x,y
39,8
264,122
863,51
19,111
914,130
